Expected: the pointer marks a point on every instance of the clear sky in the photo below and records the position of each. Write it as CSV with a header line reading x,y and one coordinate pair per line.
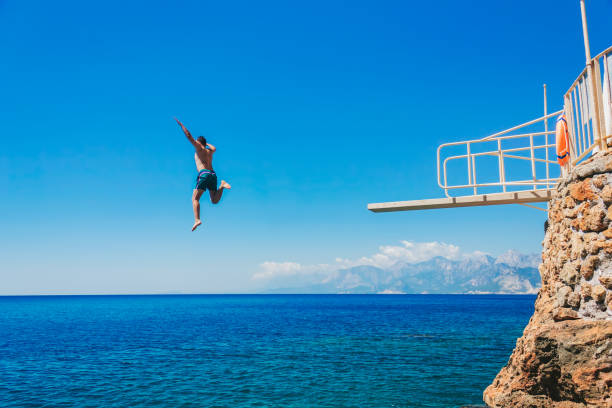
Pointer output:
x,y
316,108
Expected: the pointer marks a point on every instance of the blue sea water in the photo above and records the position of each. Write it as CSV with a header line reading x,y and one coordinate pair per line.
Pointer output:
x,y
255,351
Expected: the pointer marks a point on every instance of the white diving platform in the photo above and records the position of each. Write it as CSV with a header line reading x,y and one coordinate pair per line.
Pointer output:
x,y
512,197
524,157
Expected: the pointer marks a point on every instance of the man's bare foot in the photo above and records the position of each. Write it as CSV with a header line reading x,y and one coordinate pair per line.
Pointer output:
x,y
196,225
225,184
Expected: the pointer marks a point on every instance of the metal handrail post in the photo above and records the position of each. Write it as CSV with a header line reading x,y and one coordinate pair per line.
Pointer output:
x,y
499,157
585,33
474,170
546,136
469,164
598,101
590,63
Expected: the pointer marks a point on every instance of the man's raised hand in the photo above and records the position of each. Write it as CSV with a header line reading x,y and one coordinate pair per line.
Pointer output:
x,y
184,128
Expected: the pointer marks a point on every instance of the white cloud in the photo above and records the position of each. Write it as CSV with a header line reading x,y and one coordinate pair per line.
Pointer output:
x,y
408,252
274,269
391,292
387,256
269,269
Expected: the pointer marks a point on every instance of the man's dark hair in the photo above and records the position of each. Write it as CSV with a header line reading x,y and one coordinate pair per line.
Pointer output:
x,y
202,140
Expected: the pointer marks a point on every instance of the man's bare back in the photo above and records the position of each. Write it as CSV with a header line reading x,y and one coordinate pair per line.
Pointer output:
x,y
203,159
207,178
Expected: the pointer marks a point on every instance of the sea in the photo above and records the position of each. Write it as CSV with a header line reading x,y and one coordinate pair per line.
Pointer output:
x,y
255,350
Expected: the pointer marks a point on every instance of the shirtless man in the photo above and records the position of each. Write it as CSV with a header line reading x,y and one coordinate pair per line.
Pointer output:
x,y
207,178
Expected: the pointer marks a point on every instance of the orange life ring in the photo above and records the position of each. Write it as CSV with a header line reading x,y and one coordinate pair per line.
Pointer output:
x,y
563,146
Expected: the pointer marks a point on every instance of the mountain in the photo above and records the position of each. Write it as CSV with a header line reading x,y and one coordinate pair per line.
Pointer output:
x,y
514,258
511,272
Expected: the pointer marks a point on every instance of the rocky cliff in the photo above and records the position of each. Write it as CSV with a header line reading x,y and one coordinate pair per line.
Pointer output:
x,y
564,358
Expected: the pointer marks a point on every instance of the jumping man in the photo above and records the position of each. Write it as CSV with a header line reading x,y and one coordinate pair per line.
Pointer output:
x,y
207,179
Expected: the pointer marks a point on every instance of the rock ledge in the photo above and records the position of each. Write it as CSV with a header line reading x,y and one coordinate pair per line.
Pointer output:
x,y
564,358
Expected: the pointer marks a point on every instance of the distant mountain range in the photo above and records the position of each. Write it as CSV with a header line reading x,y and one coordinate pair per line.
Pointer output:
x,y
510,273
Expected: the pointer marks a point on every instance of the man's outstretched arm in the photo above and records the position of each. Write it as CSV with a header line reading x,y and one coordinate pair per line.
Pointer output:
x,y
188,134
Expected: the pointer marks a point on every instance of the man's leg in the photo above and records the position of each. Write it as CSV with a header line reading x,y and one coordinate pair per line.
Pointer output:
x,y
195,200
215,196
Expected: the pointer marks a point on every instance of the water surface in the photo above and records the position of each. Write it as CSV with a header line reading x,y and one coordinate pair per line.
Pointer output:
x,y
255,351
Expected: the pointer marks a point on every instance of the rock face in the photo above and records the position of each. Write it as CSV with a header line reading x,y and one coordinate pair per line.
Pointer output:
x,y
564,358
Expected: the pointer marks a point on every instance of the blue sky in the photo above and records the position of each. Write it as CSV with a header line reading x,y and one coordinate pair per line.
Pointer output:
x,y
316,108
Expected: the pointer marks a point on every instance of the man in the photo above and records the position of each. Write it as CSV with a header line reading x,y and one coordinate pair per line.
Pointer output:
x,y
207,179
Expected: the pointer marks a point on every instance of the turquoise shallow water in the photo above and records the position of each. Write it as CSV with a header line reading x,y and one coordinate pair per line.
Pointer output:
x,y
255,351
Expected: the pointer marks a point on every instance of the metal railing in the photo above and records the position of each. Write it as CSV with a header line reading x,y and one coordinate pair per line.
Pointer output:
x,y
588,111
587,108
504,146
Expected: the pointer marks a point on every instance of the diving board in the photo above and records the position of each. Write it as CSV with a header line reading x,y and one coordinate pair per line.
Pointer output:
x,y
513,197
524,158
